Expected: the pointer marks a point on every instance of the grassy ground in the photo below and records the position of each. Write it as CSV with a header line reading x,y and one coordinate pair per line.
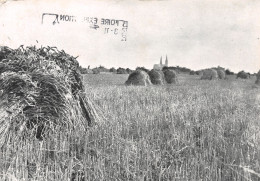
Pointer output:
x,y
196,130
106,79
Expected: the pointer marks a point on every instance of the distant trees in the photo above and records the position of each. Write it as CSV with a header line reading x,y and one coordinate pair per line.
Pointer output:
x,y
243,75
85,70
121,71
176,69
101,69
228,72
197,72
179,69
183,69
113,70
142,68
128,70
82,70
96,70
192,72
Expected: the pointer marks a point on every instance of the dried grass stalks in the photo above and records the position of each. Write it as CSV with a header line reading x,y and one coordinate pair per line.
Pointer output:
x,y
209,74
138,77
157,77
170,76
258,78
41,90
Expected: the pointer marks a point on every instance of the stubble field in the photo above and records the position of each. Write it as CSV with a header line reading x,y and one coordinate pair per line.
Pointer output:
x,y
195,130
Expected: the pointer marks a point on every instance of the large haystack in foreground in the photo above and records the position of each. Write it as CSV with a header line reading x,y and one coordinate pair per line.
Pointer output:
x,y
138,77
41,91
242,75
258,78
209,74
170,76
156,76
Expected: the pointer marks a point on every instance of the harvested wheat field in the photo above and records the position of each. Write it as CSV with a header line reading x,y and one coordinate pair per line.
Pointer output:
x,y
161,90
196,130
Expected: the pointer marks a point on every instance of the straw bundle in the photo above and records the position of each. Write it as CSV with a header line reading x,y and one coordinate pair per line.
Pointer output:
x,y
170,76
209,74
156,76
138,77
41,90
221,74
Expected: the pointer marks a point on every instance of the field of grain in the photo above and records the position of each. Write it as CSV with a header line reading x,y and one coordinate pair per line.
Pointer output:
x,y
195,130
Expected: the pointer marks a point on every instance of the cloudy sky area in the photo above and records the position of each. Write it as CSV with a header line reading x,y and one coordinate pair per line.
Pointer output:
x,y
193,33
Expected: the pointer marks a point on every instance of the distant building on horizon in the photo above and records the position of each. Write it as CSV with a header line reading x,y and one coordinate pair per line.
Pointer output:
x,y
161,65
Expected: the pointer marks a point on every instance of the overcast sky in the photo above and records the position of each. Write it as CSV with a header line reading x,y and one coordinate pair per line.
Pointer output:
x,y
193,33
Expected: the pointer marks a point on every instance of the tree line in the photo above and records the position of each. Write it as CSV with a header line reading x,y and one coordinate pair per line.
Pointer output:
x,y
101,69
121,70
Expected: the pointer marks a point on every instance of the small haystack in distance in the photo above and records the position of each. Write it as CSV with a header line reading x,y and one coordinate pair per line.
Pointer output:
x,y
209,74
41,92
258,78
156,76
192,72
221,74
198,72
170,76
242,75
138,77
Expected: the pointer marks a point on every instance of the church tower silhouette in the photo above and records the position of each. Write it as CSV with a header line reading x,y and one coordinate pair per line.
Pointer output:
x,y
166,61
161,65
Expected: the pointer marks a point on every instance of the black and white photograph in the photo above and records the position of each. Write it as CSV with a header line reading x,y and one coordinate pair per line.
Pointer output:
x,y
130,90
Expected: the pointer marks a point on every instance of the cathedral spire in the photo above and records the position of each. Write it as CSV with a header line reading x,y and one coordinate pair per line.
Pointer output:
x,y
161,61
166,61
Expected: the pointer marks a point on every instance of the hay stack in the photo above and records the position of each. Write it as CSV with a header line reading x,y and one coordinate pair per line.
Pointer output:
x,y
41,91
242,75
138,77
198,72
258,78
192,72
209,74
221,74
156,76
170,76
